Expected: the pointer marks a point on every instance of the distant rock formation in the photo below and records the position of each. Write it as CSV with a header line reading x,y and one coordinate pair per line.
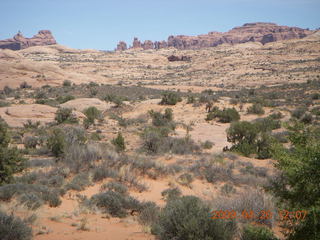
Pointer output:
x,y
249,32
121,46
44,37
174,58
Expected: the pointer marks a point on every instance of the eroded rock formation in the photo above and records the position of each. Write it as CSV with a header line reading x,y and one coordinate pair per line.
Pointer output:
x,y
249,32
44,37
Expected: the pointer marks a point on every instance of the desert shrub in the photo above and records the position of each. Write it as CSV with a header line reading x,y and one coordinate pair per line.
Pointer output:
x,y
250,200
24,85
170,98
180,146
67,83
252,232
119,143
251,138
154,138
217,172
79,182
31,201
171,194
266,124
191,99
56,142
115,204
276,115
185,179
103,171
30,125
242,132
117,100
65,115
316,111
187,218
255,108
11,160
30,142
315,96
92,113
149,214
298,112
50,196
63,99
116,187
227,189
161,120
225,116
13,228
307,118
4,104
207,144
81,157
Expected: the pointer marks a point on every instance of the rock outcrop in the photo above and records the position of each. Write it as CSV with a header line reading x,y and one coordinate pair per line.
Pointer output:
x,y
249,32
44,37
121,46
174,58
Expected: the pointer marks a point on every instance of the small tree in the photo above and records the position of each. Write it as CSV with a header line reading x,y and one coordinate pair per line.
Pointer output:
x,y
119,143
92,113
11,161
56,142
170,98
64,115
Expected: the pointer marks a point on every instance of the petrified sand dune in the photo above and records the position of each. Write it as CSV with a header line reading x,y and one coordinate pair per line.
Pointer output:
x,y
82,103
16,116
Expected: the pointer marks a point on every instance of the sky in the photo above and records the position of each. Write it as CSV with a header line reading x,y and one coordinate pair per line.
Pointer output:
x,y
101,24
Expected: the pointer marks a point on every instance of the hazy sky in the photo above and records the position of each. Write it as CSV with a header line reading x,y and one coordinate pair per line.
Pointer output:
x,y
101,24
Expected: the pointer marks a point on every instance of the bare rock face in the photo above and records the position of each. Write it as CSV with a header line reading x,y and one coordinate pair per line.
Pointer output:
x,y
249,32
44,37
136,43
148,45
174,58
121,46
160,44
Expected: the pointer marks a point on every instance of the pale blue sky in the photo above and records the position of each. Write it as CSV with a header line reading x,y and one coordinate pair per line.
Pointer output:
x,y
101,24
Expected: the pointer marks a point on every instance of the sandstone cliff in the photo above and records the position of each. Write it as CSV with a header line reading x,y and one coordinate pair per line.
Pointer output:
x,y
44,37
249,32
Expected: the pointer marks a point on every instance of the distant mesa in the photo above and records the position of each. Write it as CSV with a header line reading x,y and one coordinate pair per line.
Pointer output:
x,y
43,38
249,32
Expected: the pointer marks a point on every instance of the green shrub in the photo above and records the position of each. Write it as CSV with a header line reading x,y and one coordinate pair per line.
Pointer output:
x,y
115,99
67,83
162,120
185,179
30,142
187,218
92,113
149,214
115,203
25,85
256,108
298,112
79,182
119,143
171,194
225,116
65,115
13,228
116,187
252,232
170,98
297,186
102,172
63,99
56,142
207,144
11,161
